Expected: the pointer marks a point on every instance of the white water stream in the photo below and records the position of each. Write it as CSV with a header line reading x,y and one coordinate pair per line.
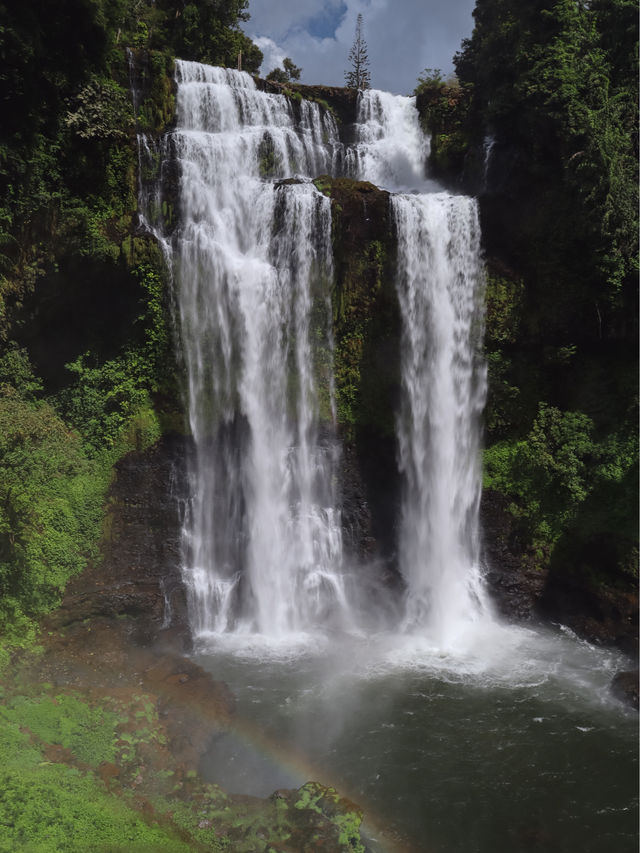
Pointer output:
x,y
439,281
439,287
262,534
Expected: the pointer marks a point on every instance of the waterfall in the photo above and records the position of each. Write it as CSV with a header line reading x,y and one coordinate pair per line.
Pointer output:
x,y
443,392
390,148
262,535
487,150
253,270
439,284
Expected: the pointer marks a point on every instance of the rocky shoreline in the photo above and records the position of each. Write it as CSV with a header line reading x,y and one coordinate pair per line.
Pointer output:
x,y
166,710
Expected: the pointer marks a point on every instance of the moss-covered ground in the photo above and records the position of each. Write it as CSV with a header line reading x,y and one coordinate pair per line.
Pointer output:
x,y
97,756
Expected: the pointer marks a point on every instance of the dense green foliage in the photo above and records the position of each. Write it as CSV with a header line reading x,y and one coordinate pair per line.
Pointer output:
x,y
555,81
286,74
53,480
555,84
94,771
553,471
49,806
67,159
57,809
50,500
65,720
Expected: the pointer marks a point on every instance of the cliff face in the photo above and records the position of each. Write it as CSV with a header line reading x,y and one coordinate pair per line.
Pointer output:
x,y
366,363
138,574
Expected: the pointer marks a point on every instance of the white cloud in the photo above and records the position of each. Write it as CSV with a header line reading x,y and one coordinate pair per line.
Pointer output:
x,y
273,55
403,36
279,18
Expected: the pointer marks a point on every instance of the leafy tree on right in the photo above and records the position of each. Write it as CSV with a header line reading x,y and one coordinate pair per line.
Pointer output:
x,y
286,74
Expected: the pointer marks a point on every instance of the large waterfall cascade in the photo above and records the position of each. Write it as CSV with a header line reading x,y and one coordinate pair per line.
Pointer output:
x,y
252,261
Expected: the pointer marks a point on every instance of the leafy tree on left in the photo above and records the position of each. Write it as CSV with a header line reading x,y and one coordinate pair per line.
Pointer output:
x,y
50,500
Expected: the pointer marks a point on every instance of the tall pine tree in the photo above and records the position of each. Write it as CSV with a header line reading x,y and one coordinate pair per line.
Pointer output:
x,y
359,77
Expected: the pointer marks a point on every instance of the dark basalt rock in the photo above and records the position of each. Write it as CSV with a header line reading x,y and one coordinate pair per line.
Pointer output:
x,y
624,686
343,102
289,182
139,574
522,591
600,613
514,582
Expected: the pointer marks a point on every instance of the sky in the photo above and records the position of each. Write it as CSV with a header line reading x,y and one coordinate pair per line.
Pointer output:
x,y
403,37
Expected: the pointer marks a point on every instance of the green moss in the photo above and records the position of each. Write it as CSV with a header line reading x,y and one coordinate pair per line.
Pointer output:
x,y
18,753
367,333
364,303
328,803
156,114
349,831
504,300
443,110
323,184
269,159
201,824
49,807
325,105
68,721
56,809
124,739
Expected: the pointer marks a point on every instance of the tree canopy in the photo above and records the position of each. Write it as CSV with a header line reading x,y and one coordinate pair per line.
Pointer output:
x,y
557,80
83,298
286,74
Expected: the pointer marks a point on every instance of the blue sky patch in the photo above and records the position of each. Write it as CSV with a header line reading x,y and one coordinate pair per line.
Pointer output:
x,y
325,24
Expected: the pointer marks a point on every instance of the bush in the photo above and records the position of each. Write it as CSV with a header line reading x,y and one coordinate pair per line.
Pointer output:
x,y
552,473
51,499
53,480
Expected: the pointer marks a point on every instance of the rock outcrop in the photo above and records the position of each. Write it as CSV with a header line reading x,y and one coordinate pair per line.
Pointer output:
x,y
139,573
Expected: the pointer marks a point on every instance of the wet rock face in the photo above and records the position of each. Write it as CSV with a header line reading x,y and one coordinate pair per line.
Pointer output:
x,y
625,687
343,102
599,613
139,575
523,592
367,332
100,657
514,582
